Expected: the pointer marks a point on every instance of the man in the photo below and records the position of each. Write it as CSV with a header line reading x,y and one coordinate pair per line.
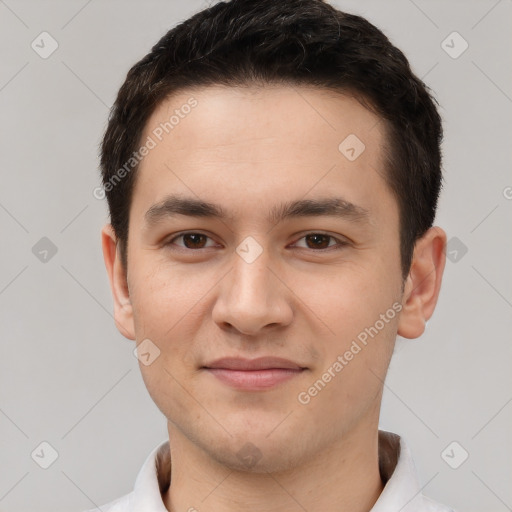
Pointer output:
x,y
272,171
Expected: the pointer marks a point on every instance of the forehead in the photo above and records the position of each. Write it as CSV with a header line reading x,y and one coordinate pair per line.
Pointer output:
x,y
235,114
221,143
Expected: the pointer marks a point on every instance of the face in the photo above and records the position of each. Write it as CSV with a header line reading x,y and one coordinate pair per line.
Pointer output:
x,y
304,265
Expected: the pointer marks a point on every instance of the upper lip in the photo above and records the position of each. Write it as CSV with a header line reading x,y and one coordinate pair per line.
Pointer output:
x,y
261,363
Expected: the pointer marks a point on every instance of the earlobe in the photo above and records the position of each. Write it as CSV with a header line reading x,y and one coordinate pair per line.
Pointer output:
x,y
123,311
423,283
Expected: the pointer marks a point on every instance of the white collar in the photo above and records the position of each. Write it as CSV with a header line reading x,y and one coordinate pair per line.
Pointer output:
x,y
401,493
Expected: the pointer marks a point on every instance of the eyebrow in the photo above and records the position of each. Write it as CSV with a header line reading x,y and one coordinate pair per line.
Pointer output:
x,y
173,205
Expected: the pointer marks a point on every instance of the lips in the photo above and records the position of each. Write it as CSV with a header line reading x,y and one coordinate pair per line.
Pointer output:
x,y
258,374
261,363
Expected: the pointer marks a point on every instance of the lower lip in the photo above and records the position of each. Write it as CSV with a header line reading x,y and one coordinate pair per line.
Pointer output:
x,y
254,379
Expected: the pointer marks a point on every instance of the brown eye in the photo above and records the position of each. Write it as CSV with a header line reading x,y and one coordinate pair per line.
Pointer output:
x,y
321,241
190,241
194,241
318,241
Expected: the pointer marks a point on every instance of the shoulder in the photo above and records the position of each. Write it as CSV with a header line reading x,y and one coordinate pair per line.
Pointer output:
x,y
118,505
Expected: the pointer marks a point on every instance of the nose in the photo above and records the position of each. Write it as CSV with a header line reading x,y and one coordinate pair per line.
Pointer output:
x,y
252,298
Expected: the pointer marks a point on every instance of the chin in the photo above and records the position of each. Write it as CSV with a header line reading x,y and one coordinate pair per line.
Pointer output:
x,y
255,451
258,458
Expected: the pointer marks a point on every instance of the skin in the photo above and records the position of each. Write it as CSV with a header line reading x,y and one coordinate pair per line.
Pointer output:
x,y
249,149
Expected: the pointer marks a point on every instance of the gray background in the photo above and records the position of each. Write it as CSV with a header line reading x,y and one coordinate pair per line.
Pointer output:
x,y
69,378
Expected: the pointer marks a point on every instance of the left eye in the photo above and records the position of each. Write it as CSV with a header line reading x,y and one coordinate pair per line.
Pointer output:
x,y
321,241
318,241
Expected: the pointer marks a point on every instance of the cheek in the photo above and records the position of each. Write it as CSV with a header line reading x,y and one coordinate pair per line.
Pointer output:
x,y
351,300
350,380
167,313
362,315
163,296
165,386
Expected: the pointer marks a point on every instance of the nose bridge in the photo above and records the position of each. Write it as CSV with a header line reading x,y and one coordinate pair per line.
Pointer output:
x,y
251,296
252,277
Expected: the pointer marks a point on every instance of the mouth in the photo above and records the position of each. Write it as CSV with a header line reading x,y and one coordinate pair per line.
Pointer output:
x,y
254,374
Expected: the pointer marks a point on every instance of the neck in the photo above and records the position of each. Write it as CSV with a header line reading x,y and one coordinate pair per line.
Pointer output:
x,y
343,477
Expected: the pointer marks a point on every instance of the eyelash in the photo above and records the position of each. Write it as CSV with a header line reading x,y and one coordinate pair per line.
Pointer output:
x,y
340,245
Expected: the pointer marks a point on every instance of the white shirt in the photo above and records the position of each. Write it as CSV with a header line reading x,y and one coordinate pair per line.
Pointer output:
x,y
401,493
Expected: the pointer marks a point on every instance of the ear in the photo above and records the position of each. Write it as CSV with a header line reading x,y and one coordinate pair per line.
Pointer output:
x,y
123,312
423,283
